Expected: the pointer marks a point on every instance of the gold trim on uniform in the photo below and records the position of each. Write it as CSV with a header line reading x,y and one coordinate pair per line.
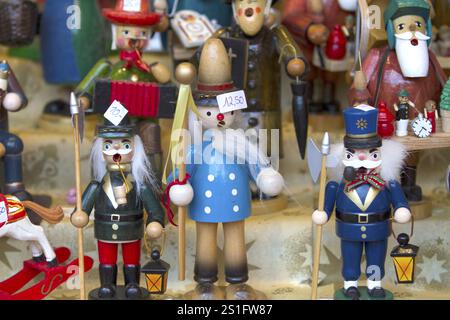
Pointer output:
x,y
354,197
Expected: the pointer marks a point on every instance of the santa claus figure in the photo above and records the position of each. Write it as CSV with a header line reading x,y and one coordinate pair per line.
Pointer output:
x,y
310,22
406,62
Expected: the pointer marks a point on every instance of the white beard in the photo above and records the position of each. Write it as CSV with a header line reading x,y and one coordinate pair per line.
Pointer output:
x,y
414,60
348,5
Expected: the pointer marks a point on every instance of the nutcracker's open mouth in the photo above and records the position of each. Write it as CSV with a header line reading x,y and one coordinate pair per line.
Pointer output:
x,y
414,42
221,124
117,158
362,170
249,12
136,43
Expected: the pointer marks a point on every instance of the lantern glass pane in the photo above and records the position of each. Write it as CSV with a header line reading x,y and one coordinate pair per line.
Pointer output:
x,y
404,268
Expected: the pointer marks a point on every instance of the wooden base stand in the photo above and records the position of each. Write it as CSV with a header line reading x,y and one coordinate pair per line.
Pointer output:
x,y
339,295
120,294
421,210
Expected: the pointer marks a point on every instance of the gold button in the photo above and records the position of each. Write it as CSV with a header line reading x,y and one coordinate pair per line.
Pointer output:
x,y
114,236
115,226
364,236
363,229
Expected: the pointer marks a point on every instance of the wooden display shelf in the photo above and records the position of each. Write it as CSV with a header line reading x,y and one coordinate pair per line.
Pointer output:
x,y
435,141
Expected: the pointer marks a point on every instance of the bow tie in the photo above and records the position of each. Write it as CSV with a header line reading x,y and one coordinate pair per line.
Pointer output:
x,y
370,178
133,58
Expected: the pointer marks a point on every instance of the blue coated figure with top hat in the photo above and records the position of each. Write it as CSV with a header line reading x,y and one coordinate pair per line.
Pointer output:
x,y
363,201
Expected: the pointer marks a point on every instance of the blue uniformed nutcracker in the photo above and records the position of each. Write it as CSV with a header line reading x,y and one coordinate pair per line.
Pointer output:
x,y
219,185
364,200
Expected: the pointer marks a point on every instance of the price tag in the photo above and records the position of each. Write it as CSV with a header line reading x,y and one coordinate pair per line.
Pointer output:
x,y
232,101
3,213
132,5
115,113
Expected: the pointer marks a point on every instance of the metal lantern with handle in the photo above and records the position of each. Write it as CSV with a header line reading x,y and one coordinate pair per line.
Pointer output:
x,y
404,257
156,272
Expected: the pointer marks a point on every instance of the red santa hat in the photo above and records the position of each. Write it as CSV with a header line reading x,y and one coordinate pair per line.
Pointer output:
x,y
132,12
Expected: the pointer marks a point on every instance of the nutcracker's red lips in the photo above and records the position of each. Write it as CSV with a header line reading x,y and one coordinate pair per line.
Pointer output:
x,y
117,157
414,42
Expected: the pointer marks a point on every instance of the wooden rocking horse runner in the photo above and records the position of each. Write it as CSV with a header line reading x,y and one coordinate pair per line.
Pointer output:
x,y
14,223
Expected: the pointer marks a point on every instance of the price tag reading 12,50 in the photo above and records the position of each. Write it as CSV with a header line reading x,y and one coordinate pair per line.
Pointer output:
x,y
232,101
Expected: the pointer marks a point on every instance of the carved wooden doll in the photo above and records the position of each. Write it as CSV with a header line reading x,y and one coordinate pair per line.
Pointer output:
x,y
123,186
130,81
218,190
363,193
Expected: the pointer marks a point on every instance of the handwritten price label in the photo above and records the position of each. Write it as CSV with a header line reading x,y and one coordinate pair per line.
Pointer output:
x,y
115,113
232,101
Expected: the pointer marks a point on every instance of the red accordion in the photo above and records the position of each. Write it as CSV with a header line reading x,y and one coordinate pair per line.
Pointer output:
x,y
142,99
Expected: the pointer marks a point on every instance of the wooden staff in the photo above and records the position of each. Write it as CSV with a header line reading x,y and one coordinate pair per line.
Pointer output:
x,y
321,205
79,218
185,75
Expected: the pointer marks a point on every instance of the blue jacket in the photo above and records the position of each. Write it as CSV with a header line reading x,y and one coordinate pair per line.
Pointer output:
x,y
221,190
364,200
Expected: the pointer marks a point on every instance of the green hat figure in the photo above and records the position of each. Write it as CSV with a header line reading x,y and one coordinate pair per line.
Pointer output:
x,y
403,93
400,8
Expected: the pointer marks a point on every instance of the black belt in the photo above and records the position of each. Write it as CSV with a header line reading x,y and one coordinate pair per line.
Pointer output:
x,y
363,218
118,217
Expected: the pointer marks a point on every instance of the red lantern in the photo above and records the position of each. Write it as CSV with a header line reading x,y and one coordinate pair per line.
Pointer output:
x,y
385,121
336,48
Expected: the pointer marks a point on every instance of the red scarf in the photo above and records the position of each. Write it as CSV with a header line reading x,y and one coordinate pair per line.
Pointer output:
x,y
133,58
372,178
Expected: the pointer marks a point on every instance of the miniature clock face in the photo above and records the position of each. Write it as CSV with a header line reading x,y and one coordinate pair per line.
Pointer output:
x,y
422,127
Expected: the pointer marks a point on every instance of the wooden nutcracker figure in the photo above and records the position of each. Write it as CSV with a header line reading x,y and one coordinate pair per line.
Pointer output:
x,y
130,81
431,113
12,99
363,195
405,63
256,51
123,187
310,22
217,188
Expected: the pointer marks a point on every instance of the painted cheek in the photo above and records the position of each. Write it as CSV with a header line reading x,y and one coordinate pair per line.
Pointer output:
x,y
240,12
258,10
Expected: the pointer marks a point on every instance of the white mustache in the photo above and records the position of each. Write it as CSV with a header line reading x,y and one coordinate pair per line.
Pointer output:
x,y
411,35
368,164
114,151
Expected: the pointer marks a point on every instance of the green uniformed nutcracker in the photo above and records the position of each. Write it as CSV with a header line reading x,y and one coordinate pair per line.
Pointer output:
x,y
123,187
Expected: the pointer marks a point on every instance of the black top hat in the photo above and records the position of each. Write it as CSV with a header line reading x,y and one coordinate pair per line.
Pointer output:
x,y
125,129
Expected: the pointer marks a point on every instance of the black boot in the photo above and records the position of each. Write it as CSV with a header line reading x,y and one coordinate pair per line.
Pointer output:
x,y
377,293
108,278
132,275
352,293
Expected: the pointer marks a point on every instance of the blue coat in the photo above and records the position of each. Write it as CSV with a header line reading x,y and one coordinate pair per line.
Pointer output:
x,y
221,191
364,199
